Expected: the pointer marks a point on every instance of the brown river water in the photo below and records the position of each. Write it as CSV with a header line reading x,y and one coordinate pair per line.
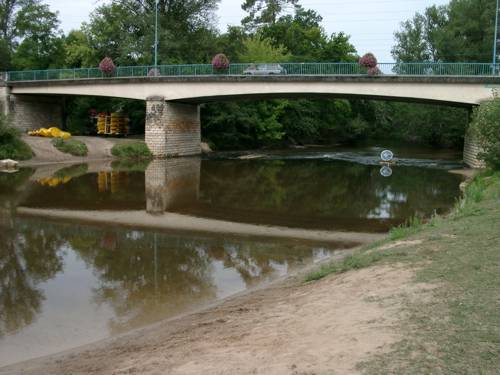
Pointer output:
x,y
92,251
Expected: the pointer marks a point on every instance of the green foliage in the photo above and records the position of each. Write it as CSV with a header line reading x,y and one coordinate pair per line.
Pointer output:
x,y
459,31
41,44
261,50
11,145
265,11
412,226
485,128
349,263
136,150
70,146
78,51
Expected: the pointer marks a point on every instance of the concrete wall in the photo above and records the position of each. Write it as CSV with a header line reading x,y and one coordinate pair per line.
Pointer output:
x,y
171,183
172,129
471,151
33,112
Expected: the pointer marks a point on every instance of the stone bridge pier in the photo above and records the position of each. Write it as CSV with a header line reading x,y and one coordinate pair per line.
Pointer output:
x,y
171,184
172,129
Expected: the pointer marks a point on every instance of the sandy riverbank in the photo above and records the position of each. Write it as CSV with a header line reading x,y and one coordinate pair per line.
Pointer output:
x,y
290,327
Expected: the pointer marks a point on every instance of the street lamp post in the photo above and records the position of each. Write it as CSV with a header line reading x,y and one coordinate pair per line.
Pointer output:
x,y
156,38
495,38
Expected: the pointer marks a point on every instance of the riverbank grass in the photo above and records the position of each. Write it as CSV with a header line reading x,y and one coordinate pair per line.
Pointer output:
x,y
70,146
11,144
457,330
136,150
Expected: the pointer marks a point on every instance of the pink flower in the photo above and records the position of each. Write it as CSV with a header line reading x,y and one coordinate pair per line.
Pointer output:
x,y
220,61
107,66
368,61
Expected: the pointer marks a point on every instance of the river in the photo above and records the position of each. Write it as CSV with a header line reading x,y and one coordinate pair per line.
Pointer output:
x,y
94,250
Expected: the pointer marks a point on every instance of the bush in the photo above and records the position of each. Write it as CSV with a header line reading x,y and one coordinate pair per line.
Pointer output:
x,y
368,61
107,66
71,146
11,145
485,129
138,150
220,62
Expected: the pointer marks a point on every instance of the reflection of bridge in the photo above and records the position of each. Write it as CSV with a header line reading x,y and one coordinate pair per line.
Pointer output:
x,y
174,94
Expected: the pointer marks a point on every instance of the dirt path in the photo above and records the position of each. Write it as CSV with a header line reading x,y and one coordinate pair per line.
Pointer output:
x,y
45,152
326,327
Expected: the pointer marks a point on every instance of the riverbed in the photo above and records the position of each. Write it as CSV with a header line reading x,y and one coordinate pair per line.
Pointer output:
x,y
91,251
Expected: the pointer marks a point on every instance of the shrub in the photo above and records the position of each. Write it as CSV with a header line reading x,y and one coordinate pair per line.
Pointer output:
x,y
138,150
368,61
11,145
70,146
107,66
220,62
485,129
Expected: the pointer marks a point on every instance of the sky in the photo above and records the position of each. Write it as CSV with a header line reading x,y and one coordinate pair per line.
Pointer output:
x,y
370,23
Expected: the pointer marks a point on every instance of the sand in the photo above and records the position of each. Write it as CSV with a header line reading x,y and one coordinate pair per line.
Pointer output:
x,y
324,327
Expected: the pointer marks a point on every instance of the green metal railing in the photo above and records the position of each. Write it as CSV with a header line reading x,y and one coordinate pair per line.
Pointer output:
x,y
289,69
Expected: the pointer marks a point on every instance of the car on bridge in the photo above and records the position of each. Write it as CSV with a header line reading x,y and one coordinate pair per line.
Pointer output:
x,y
264,69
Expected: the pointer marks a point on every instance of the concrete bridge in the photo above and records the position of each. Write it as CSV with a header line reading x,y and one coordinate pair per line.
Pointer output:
x,y
173,102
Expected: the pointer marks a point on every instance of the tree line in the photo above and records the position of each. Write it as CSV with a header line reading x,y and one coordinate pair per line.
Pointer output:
x,y
271,31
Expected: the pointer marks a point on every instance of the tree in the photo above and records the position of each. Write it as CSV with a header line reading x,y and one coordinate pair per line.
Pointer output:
x,y
78,51
262,12
29,35
258,50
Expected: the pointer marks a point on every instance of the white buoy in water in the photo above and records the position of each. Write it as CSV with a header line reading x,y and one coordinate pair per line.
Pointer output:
x,y
387,156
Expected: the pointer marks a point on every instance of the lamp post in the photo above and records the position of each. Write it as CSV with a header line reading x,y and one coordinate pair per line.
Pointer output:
x,y
495,38
156,38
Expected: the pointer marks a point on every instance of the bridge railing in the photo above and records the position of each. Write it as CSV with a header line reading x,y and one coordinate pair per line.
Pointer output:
x,y
289,69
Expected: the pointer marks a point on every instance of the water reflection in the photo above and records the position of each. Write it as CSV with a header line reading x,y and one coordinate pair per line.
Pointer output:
x,y
312,194
135,278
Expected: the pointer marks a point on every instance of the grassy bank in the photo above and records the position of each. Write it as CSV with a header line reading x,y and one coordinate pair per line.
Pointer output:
x,y
70,146
137,150
11,145
458,330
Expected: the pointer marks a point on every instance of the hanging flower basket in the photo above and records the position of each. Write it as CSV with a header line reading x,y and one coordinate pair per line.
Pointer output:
x,y
154,72
107,67
220,63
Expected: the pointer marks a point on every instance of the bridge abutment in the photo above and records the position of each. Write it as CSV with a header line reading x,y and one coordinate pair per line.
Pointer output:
x,y
472,149
172,129
31,112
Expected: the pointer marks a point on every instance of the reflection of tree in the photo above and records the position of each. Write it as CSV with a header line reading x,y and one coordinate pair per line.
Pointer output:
x,y
29,255
311,193
143,285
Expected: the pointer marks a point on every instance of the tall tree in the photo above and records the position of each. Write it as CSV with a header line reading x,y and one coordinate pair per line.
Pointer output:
x,y
41,40
262,12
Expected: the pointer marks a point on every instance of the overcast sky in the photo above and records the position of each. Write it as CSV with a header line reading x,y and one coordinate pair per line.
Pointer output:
x,y
370,23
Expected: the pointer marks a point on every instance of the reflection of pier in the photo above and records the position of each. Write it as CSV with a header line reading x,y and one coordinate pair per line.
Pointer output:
x,y
171,183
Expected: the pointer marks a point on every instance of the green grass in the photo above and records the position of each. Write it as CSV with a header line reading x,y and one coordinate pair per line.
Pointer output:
x,y
457,329
70,146
11,145
137,150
